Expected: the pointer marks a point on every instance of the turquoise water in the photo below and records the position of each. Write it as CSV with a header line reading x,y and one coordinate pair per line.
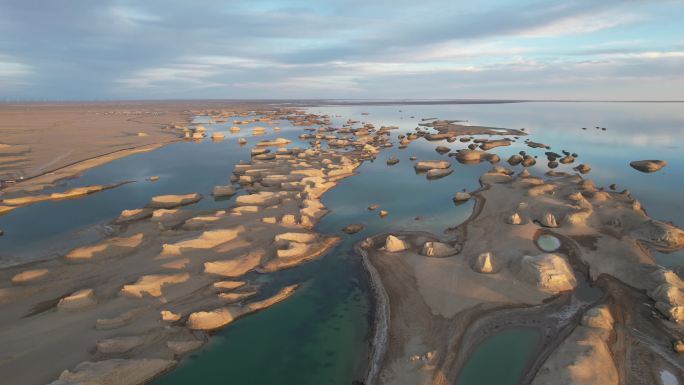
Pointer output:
x,y
548,242
313,338
316,336
501,359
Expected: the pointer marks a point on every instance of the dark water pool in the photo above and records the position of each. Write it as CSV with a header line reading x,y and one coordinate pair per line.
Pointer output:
x,y
501,358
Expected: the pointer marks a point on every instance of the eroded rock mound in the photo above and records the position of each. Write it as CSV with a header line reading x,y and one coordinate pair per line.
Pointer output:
x,y
79,300
584,357
549,272
660,233
668,295
439,173
392,160
274,143
650,165
428,165
598,317
461,197
133,215
109,248
217,318
114,372
171,201
394,244
264,198
223,191
484,263
207,240
237,266
152,284
27,276
352,228
437,250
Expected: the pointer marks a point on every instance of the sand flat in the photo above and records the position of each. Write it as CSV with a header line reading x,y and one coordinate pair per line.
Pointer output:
x,y
52,141
449,286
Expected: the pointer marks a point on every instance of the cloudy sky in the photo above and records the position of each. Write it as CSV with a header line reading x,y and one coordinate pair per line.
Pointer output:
x,y
418,49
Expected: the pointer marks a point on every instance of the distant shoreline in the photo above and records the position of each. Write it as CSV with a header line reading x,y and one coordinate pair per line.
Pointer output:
x,y
319,102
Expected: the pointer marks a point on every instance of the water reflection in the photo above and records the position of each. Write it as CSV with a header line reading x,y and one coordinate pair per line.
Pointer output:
x,y
633,131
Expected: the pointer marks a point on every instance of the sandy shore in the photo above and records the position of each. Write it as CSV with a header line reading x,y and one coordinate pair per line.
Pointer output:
x,y
53,141
43,143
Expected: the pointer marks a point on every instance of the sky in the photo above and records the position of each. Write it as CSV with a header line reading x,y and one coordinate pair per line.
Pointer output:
x,y
346,49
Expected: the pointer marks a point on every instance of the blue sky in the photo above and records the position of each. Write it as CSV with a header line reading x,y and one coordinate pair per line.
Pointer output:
x,y
428,49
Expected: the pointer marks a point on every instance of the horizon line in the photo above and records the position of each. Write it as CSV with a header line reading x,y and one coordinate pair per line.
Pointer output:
x,y
341,101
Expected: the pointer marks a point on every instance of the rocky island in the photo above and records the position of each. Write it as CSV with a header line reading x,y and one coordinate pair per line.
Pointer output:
x,y
496,265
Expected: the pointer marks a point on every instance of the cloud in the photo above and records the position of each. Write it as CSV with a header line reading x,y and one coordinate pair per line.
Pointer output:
x,y
11,69
13,74
298,48
582,24
647,55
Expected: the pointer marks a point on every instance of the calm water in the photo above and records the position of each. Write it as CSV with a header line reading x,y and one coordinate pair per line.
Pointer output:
x,y
633,131
500,359
313,338
670,260
548,242
316,336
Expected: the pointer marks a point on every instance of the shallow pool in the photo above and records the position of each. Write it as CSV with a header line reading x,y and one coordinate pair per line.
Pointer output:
x,y
501,359
548,243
